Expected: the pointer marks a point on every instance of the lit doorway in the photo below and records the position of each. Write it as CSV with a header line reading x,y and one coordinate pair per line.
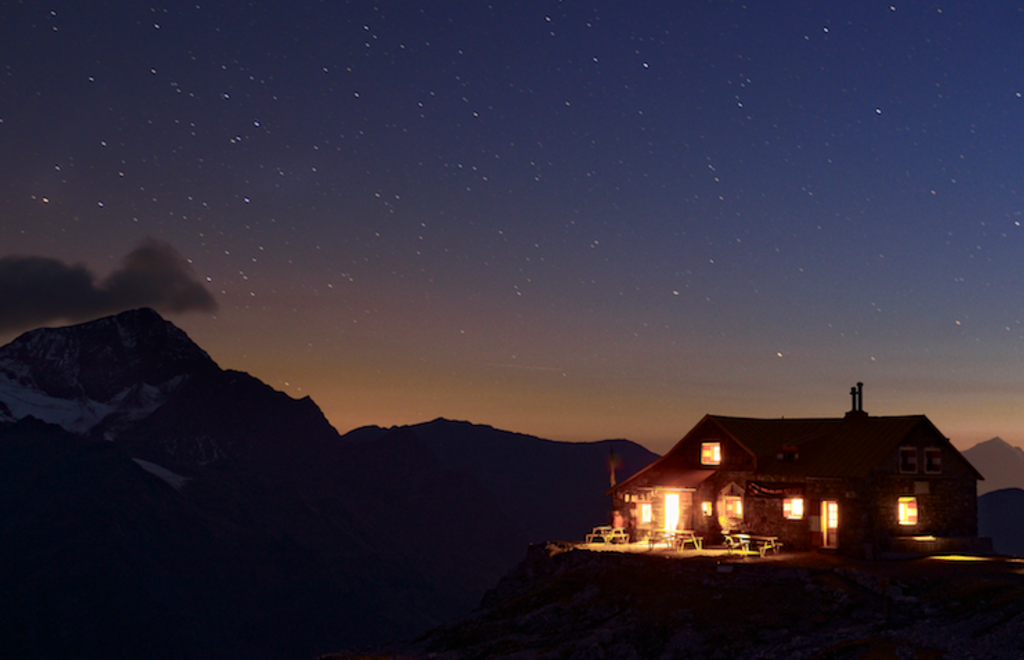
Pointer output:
x,y
671,511
829,523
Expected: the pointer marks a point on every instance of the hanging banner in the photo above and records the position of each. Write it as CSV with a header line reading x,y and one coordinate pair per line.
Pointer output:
x,y
773,489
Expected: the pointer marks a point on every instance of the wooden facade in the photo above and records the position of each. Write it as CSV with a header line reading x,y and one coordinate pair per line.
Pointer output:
x,y
862,485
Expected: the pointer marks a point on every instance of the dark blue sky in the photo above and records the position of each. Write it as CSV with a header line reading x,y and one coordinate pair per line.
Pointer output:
x,y
579,220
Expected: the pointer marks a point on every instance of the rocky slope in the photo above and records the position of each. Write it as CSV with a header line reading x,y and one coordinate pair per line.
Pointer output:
x,y
563,602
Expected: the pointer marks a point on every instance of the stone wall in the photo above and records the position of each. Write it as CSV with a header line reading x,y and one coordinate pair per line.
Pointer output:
x,y
945,506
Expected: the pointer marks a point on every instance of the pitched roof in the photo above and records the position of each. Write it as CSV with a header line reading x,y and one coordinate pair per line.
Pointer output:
x,y
849,446
762,437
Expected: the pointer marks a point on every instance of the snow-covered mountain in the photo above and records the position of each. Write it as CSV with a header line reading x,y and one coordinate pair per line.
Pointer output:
x,y
113,371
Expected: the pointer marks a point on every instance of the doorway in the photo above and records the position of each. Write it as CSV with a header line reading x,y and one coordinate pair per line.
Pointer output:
x,y
678,511
829,523
671,511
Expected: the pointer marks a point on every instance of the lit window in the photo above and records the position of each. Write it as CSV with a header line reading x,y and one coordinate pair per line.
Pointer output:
x,y
908,510
933,460
908,459
646,514
793,508
705,508
733,507
710,453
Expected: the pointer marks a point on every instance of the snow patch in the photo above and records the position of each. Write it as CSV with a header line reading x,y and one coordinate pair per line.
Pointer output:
x,y
79,415
176,481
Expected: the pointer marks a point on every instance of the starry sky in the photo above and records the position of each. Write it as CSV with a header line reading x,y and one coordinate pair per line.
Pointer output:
x,y
579,220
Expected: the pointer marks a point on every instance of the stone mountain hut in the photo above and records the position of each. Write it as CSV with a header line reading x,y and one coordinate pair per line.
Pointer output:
x,y
858,484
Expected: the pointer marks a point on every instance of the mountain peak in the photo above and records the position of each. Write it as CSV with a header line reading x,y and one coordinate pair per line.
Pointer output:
x,y
103,356
1001,463
993,442
133,355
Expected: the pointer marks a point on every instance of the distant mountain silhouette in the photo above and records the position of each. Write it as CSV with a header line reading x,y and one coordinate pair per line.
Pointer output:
x,y
155,505
1001,517
1001,463
538,483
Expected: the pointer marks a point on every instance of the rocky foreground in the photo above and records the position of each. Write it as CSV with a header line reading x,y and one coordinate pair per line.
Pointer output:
x,y
567,602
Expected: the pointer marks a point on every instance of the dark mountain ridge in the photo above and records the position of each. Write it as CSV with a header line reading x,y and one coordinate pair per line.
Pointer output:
x,y
201,504
1001,517
541,487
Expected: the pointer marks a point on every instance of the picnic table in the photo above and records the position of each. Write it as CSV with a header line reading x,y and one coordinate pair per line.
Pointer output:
x,y
737,542
687,536
764,544
660,536
741,543
677,538
608,534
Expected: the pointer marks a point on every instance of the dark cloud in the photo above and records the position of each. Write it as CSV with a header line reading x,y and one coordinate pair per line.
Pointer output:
x,y
38,290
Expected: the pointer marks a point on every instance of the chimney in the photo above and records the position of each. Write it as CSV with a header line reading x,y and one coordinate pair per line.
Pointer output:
x,y
857,398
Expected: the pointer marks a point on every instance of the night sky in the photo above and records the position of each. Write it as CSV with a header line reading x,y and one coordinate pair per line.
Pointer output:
x,y
579,220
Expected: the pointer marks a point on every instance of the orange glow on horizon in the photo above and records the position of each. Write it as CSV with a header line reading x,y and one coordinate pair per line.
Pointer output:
x,y
359,379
